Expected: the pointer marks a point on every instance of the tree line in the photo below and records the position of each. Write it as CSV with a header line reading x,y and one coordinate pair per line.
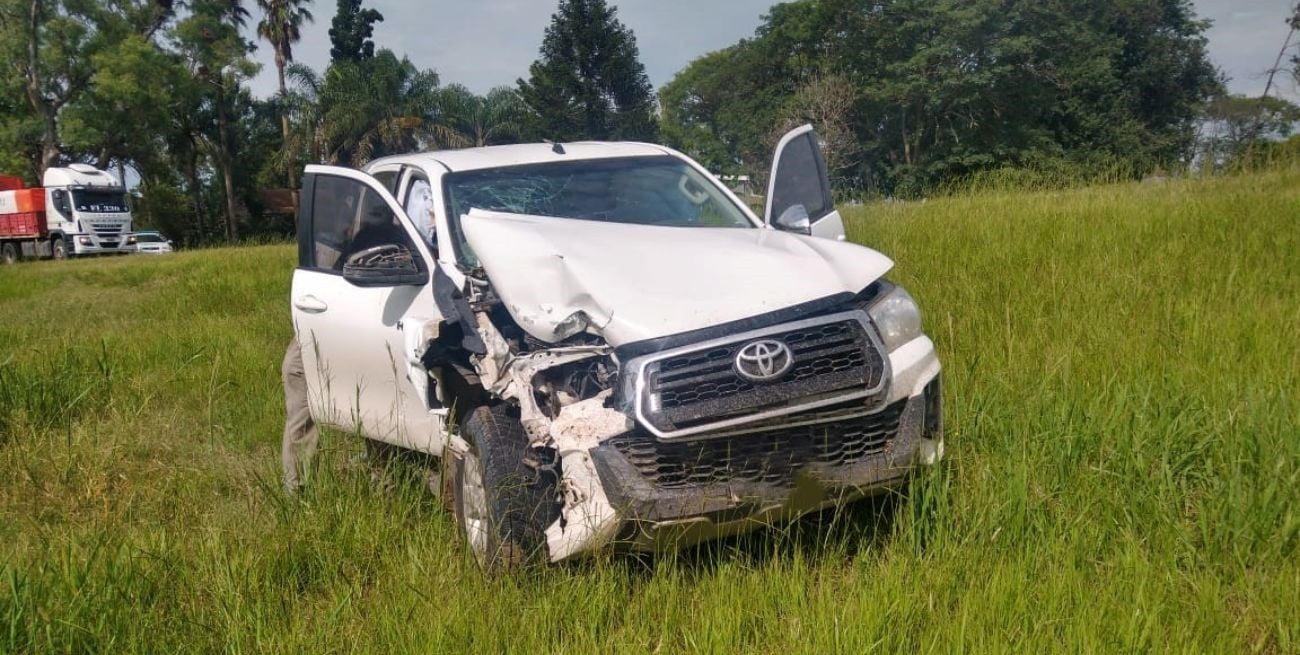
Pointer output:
x,y
159,88
906,94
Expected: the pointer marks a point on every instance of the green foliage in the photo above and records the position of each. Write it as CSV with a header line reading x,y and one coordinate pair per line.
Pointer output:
x,y
128,109
493,119
210,38
49,46
1121,411
364,109
948,88
1235,124
281,26
350,32
588,82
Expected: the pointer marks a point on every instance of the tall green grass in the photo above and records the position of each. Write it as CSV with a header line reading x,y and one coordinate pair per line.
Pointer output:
x,y
1122,371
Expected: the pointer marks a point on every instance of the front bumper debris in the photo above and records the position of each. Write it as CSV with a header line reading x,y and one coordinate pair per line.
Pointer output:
x,y
659,505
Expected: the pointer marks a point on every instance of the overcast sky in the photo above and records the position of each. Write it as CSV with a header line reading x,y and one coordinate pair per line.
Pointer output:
x,y
485,43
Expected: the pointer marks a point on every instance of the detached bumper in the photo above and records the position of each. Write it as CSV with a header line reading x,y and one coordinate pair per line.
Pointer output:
x,y
681,493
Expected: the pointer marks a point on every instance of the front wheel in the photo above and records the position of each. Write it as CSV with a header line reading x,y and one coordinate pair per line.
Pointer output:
x,y
59,248
8,254
502,504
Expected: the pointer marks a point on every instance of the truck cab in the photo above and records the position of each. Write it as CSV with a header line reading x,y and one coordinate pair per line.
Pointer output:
x,y
86,212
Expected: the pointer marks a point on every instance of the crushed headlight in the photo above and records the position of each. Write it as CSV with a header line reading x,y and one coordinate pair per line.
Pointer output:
x,y
897,318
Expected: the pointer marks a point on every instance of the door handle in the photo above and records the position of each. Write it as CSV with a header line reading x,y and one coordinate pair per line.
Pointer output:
x,y
310,304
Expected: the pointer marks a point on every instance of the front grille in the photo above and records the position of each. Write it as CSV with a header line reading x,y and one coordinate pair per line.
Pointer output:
x,y
702,387
771,457
107,229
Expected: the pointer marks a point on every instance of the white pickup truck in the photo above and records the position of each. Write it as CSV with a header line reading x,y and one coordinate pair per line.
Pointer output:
x,y
604,346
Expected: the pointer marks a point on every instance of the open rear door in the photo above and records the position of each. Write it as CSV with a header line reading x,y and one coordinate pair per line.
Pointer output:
x,y
800,187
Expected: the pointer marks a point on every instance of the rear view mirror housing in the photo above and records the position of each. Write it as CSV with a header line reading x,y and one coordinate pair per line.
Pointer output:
x,y
794,219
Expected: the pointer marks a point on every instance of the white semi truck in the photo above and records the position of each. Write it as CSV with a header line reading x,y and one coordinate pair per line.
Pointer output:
x,y
80,210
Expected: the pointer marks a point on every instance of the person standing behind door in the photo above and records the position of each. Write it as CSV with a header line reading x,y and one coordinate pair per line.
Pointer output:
x,y
419,207
301,436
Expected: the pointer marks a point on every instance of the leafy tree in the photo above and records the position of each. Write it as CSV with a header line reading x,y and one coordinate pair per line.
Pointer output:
x,y
947,88
701,116
47,43
125,114
361,110
50,47
588,82
1234,122
281,26
493,119
827,102
350,32
210,39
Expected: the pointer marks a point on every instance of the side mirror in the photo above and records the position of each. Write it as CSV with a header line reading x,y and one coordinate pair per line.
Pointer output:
x,y
794,219
388,265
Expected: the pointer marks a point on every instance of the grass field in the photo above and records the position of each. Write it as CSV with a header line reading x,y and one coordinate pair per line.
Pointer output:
x,y
1122,370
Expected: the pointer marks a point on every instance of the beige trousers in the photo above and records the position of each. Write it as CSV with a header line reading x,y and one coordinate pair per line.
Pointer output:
x,y
300,434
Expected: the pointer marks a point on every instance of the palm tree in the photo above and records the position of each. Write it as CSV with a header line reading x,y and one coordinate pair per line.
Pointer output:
x,y
382,106
281,26
357,111
302,110
485,120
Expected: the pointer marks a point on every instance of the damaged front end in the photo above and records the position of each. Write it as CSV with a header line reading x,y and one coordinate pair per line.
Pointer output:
x,y
564,395
561,392
665,442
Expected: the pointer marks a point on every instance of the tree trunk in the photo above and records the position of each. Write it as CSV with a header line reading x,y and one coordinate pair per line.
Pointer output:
x,y
45,110
280,62
232,231
196,191
225,160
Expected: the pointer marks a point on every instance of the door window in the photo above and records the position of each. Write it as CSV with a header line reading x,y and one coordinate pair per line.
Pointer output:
x,y
799,179
388,179
348,217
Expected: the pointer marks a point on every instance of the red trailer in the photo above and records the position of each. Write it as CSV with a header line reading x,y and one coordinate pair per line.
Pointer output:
x,y
23,228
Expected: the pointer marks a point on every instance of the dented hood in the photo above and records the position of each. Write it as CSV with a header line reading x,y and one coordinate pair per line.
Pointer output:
x,y
628,283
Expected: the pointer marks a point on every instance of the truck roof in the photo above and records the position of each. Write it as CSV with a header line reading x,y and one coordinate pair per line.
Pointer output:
x,y
79,175
525,153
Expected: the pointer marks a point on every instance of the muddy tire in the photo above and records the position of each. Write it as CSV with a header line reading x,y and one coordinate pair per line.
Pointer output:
x,y
8,254
59,248
502,504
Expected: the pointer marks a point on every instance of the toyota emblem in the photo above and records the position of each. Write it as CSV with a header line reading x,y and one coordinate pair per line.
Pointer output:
x,y
764,360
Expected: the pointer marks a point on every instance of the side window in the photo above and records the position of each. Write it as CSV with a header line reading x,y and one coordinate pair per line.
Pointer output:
x,y
388,179
61,203
799,179
348,217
